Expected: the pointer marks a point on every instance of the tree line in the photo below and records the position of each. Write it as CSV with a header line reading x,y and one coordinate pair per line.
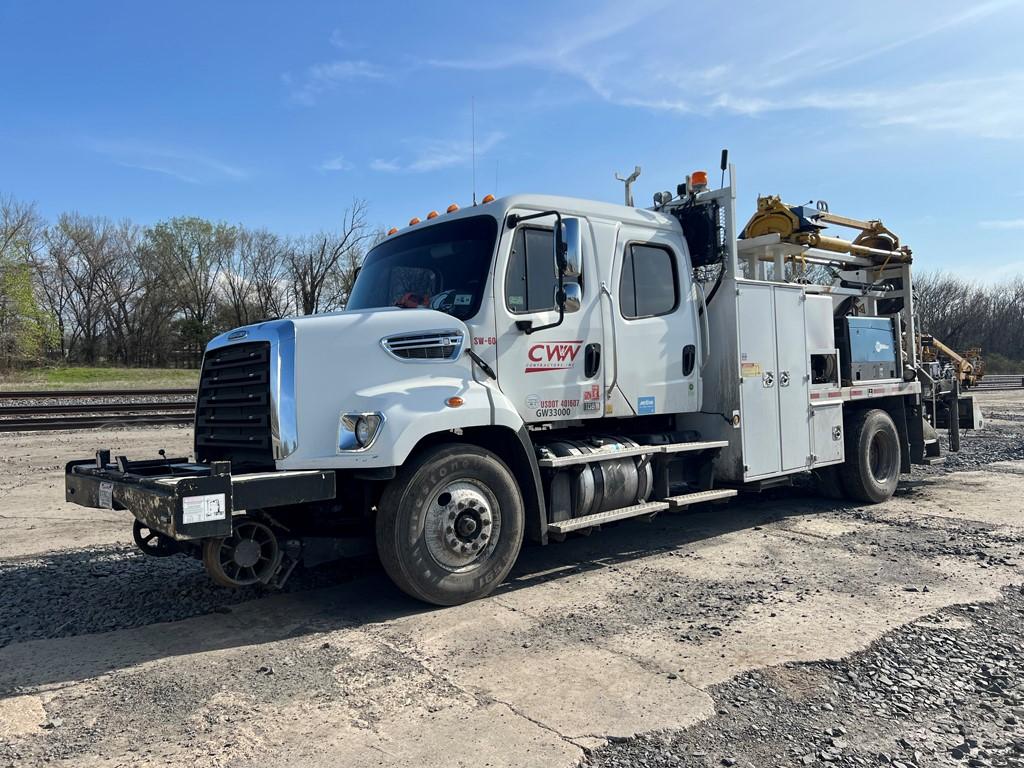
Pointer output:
x,y
88,290
963,314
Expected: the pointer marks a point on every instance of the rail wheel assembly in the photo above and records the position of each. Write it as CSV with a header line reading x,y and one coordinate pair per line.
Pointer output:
x,y
250,555
152,543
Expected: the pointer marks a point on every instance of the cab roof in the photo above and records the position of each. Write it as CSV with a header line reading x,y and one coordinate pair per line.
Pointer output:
x,y
572,206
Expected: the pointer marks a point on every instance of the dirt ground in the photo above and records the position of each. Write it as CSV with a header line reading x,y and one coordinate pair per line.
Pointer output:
x,y
781,629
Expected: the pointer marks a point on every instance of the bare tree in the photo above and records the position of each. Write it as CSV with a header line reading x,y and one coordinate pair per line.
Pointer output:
x,y
322,267
254,283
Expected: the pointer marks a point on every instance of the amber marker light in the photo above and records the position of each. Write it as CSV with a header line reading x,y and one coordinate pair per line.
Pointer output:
x,y
699,178
392,231
488,199
452,208
432,215
454,402
413,221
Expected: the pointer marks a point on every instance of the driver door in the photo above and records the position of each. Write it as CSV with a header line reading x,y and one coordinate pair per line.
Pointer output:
x,y
555,374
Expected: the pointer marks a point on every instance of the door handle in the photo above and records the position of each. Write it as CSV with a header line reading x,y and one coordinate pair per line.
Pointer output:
x,y
768,380
783,378
591,360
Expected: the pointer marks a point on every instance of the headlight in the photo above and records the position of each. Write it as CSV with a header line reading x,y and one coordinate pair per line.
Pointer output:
x,y
366,427
357,431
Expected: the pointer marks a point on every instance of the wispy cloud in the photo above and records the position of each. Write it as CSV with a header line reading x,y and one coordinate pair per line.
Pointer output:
x,y
336,163
436,154
755,76
321,78
388,166
178,163
1002,224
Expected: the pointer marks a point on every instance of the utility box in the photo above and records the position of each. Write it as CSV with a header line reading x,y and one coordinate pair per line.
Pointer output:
x,y
867,349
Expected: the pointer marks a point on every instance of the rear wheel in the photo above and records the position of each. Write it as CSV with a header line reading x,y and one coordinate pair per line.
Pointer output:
x,y
450,526
872,468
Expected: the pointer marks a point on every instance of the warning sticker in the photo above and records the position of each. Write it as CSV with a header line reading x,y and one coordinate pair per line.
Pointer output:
x,y
106,495
751,370
202,509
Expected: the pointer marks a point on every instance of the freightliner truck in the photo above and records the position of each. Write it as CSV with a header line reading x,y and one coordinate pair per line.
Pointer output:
x,y
537,366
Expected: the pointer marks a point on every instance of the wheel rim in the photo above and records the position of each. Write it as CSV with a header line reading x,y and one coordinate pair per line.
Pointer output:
x,y
152,542
248,555
461,525
880,458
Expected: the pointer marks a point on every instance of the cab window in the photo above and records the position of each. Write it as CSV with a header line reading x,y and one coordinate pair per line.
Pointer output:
x,y
531,277
649,285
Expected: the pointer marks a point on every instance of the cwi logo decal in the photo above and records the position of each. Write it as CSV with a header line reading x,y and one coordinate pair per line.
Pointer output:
x,y
553,356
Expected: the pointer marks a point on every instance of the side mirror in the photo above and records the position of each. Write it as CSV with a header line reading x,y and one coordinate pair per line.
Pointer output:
x,y
569,243
569,297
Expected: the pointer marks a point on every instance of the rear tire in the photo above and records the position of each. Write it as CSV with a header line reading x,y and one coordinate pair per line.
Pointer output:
x,y
450,526
872,468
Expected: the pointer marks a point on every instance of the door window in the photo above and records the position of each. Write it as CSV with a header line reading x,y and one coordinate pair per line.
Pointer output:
x,y
531,278
649,285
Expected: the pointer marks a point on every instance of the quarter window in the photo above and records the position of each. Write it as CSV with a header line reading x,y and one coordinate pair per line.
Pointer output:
x,y
649,285
531,277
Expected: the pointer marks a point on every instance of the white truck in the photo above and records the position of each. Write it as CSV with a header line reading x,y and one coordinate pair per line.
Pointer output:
x,y
536,366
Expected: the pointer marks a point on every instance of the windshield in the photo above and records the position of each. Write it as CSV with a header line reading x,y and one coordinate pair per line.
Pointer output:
x,y
442,267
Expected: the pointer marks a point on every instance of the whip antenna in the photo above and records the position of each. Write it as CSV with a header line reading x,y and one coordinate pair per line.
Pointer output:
x,y
472,110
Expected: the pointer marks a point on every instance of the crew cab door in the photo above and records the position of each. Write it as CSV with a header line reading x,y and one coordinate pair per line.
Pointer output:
x,y
554,374
657,345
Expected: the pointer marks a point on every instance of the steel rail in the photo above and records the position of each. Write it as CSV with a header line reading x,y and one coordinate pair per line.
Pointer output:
x,y
53,394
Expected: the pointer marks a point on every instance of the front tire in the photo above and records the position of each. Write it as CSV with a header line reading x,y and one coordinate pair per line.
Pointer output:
x,y
872,468
450,526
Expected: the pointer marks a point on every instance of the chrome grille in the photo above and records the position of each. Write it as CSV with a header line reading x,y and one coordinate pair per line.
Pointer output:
x,y
428,346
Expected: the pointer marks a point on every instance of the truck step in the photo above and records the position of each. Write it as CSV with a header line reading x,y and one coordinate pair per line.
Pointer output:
x,y
637,510
606,455
929,461
698,497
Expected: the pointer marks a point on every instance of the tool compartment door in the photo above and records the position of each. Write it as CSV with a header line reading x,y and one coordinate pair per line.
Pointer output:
x,y
759,398
793,382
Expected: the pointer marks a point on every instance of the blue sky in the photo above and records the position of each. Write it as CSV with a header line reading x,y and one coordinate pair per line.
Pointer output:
x,y
277,114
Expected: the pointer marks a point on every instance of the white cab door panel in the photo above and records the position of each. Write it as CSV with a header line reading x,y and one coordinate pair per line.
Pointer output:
x,y
655,316
555,374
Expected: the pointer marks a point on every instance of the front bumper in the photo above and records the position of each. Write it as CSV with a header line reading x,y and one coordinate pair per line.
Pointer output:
x,y
187,501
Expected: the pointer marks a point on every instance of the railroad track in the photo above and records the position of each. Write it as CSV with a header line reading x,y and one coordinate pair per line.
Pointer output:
x,y
997,381
83,408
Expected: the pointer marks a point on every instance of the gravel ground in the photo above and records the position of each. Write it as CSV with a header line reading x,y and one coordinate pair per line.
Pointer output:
x,y
946,690
782,630
100,589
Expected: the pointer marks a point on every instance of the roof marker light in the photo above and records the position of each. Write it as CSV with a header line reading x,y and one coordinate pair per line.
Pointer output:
x,y
452,208
413,221
432,215
392,231
488,199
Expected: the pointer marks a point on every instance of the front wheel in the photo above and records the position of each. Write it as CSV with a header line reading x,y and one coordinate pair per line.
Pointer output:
x,y
872,467
450,526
